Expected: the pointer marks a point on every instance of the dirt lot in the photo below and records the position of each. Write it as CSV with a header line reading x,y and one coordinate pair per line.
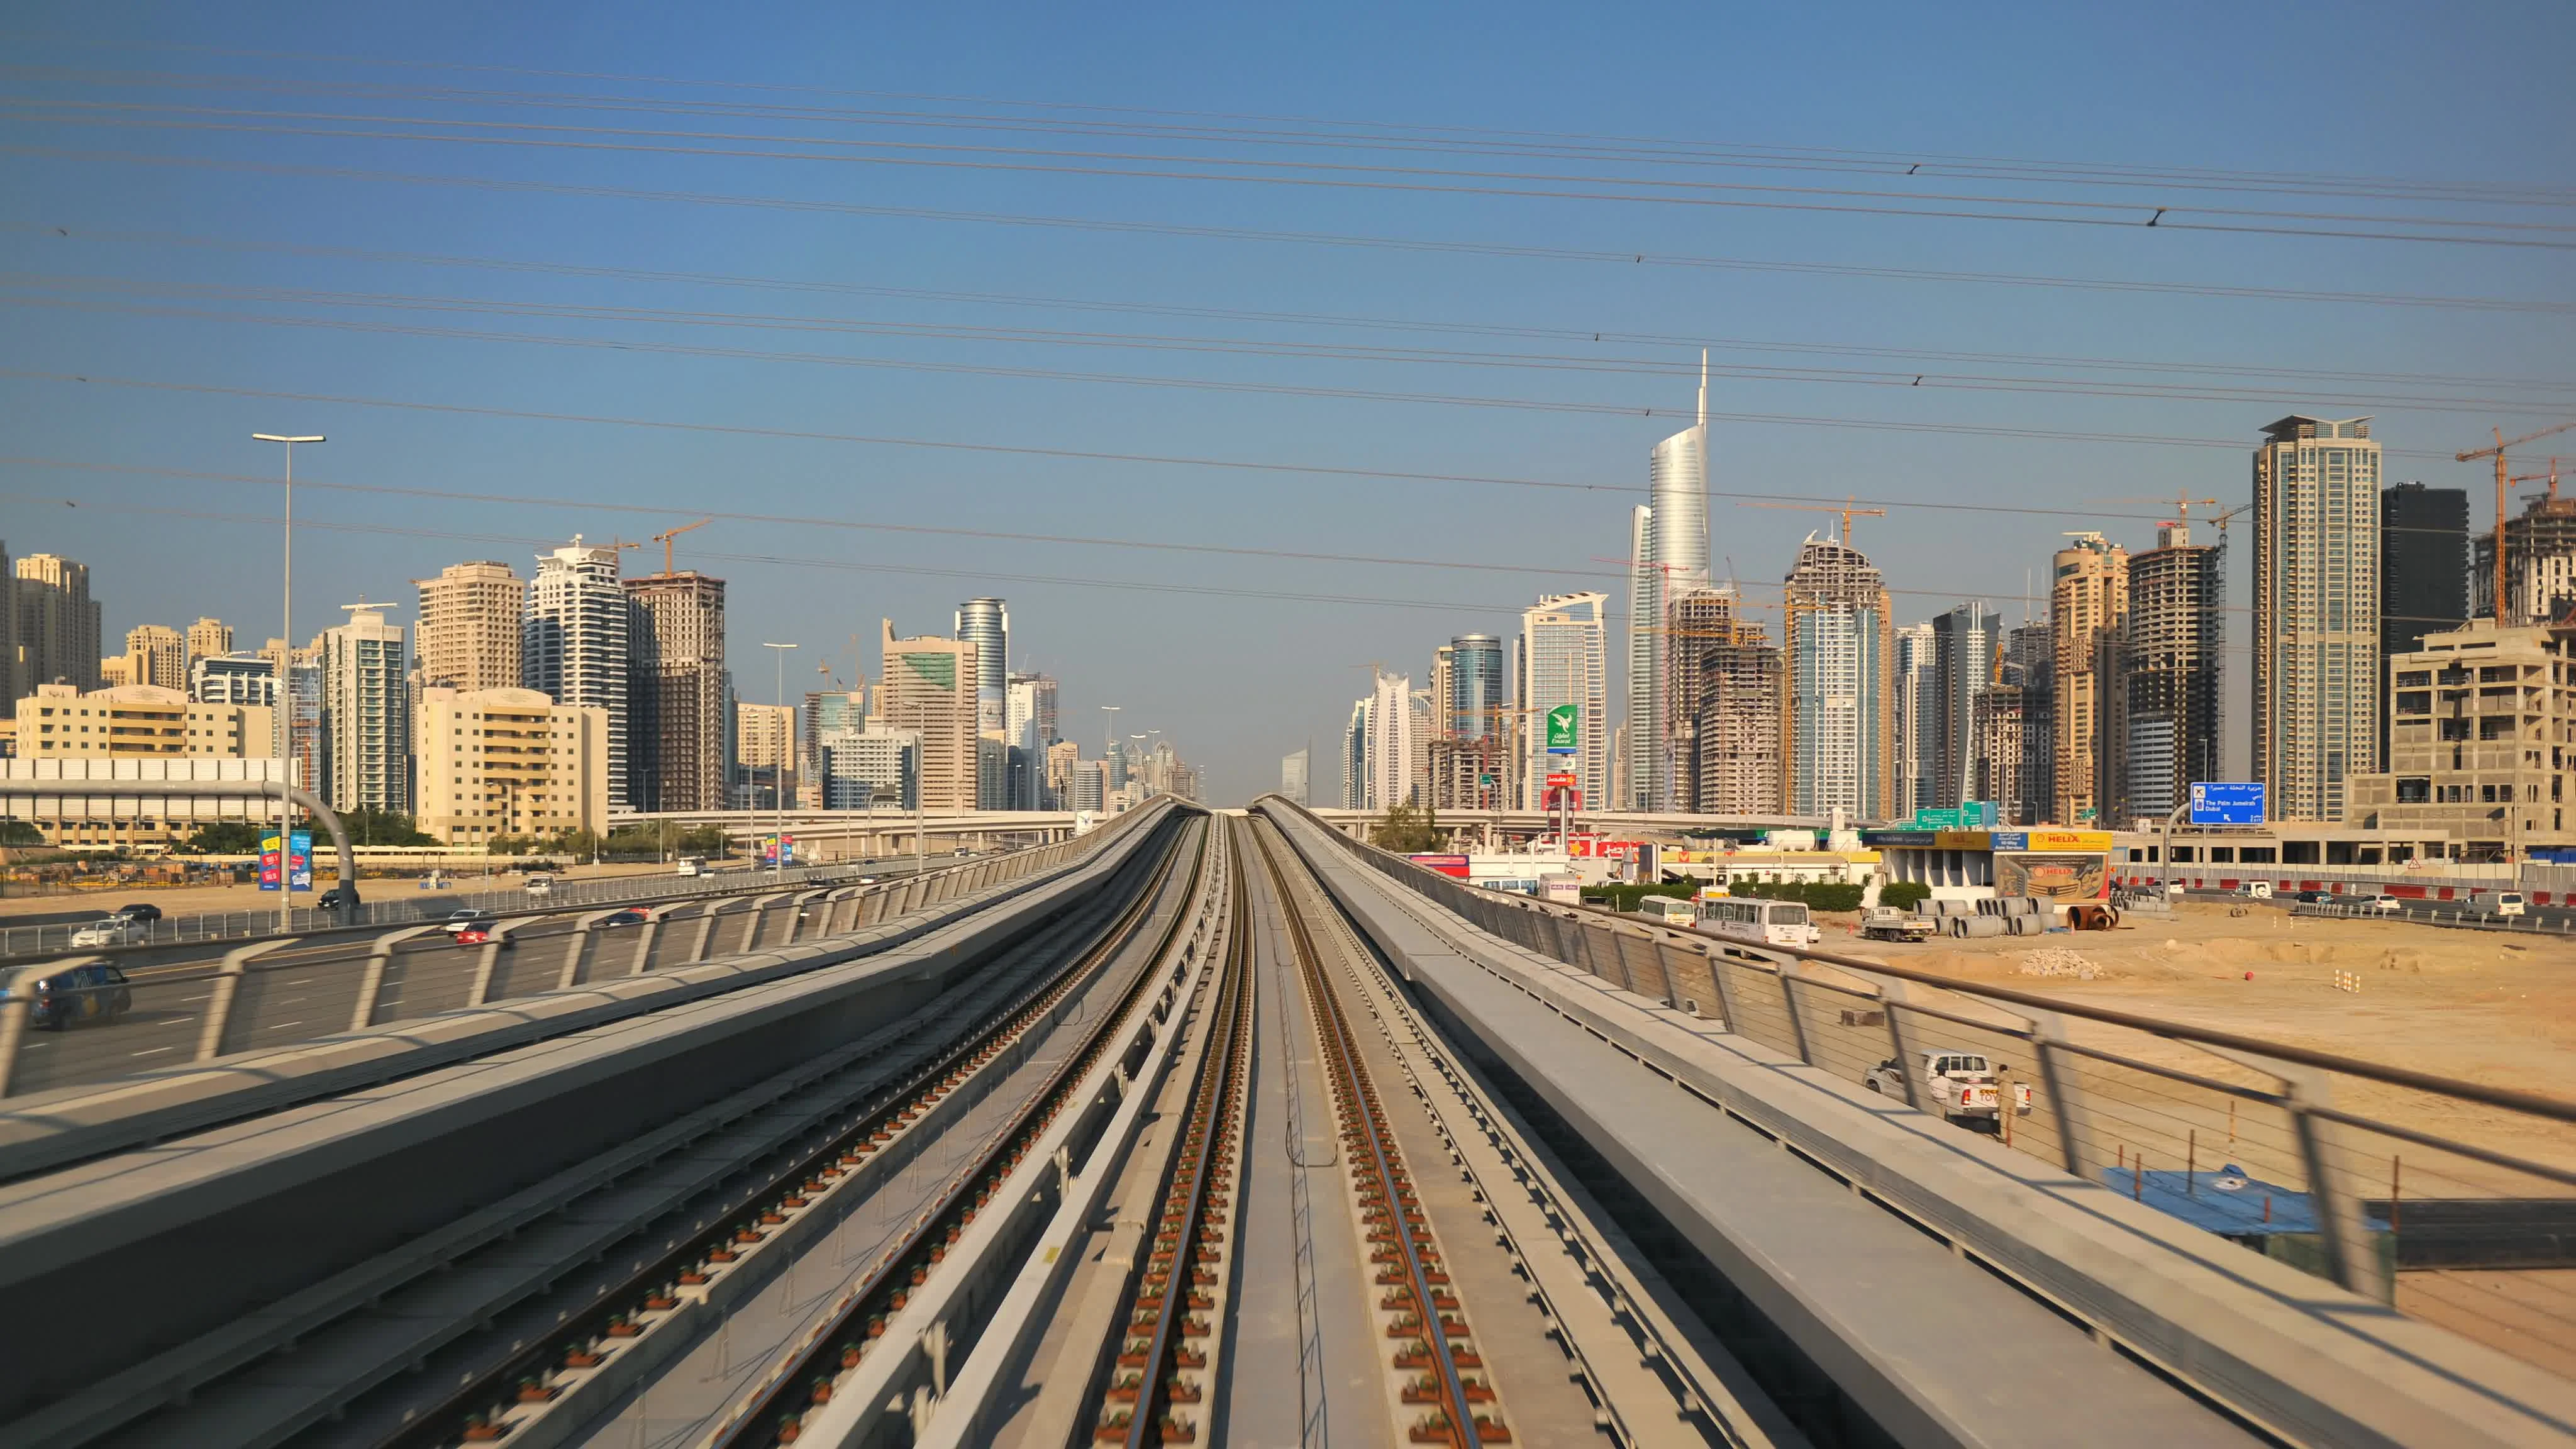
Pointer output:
x,y
2469,1004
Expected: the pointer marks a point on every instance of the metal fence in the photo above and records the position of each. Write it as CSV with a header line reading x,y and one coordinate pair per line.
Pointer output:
x,y
77,1029
2459,917
2454,1200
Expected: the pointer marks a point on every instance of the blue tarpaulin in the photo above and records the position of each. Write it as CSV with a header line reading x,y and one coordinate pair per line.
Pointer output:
x,y
2223,1200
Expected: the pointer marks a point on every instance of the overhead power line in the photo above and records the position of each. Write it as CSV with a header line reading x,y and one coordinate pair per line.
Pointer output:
x,y
1299,238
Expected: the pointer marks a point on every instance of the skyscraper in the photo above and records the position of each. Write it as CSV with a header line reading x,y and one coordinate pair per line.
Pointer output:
x,y
1696,619
2030,666
1916,718
366,713
2423,564
928,687
209,637
1838,728
676,691
1292,775
2170,661
2539,565
1963,663
1558,661
576,645
2088,600
472,621
2316,613
1737,732
158,656
1391,723
1476,687
1668,554
57,623
986,624
1355,760
14,680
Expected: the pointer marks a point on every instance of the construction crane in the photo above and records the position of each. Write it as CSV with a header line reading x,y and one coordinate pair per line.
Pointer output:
x,y
1848,508
2183,504
664,539
2504,481
2550,477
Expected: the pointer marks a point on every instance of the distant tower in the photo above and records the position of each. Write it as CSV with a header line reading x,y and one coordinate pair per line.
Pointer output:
x,y
1838,658
2316,613
575,644
986,624
1668,557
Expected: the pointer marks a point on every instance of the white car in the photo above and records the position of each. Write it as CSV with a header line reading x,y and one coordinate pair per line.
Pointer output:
x,y
109,932
2260,890
2386,905
461,920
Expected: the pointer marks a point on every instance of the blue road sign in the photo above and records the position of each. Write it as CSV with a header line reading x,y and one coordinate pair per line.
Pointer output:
x,y
2227,802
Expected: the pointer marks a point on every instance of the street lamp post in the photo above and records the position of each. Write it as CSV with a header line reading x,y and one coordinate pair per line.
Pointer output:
x,y
778,771
285,671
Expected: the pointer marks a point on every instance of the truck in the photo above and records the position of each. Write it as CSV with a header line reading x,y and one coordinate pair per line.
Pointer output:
x,y
1961,1086
1887,923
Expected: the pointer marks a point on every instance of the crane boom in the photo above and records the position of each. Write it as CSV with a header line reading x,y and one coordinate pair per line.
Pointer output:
x,y
2504,481
664,539
1848,508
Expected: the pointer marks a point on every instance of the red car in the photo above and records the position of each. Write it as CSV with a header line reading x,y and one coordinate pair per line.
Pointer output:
x,y
476,933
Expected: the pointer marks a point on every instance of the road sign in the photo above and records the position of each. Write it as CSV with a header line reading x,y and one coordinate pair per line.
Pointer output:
x,y
1561,728
2227,802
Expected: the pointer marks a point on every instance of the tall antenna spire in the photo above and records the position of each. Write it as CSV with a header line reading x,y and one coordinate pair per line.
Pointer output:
x,y
1703,392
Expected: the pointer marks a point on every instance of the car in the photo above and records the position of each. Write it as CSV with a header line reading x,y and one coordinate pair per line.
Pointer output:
x,y
464,919
477,933
2386,905
113,931
95,992
541,885
2260,890
631,916
339,896
2314,898
143,911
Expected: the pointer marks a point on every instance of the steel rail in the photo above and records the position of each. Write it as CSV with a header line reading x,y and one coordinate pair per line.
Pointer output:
x,y
1216,1104
775,1415
1364,1125
586,1340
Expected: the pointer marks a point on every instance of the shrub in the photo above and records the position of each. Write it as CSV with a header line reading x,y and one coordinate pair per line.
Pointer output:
x,y
1626,897
1904,895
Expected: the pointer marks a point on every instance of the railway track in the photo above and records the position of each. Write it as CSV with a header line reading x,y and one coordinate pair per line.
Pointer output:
x,y
841,1348
1438,1388
1174,1310
544,1318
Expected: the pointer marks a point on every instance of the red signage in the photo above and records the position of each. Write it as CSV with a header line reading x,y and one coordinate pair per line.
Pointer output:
x,y
1452,865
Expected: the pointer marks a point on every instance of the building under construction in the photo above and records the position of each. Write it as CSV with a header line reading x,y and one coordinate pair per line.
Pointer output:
x,y
2170,653
1736,764
2539,565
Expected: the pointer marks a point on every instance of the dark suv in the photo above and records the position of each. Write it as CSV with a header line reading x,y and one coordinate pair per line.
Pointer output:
x,y
82,993
140,911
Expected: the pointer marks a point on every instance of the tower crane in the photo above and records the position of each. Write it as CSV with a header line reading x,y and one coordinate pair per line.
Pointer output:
x,y
664,539
1848,508
2503,481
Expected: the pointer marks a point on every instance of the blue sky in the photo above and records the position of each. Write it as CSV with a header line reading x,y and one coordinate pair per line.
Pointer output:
x,y
1255,654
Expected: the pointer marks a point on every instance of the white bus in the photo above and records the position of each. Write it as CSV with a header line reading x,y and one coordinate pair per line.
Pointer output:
x,y
1764,923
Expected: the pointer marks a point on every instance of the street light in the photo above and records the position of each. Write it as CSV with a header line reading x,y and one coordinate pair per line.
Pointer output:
x,y
778,771
285,668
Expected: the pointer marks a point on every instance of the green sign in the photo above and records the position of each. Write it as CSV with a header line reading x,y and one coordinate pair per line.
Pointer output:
x,y
1561,728
1971,815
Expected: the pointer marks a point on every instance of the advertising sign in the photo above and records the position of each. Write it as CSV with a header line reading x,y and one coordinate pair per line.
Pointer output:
x,y
299,861
2070,876
269,879
1561,728
1562,782
770,849
2227,802
1452,865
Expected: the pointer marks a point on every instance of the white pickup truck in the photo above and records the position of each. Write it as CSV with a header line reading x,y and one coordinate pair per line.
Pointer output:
x,y
1960,1086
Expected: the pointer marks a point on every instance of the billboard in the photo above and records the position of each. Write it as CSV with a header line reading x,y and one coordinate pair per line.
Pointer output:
x,y
1562,723
1449,865
773,846
269,878
2227,802
297,872
2053,876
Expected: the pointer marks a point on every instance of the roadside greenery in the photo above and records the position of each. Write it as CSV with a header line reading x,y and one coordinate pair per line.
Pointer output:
x,y
1408,830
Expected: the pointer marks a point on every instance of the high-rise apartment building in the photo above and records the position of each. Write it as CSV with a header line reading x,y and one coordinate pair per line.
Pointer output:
x,y
2476,747
2423,564
58,625
868,768
1838,672
2316,613
301,709
2030,666
1696,617
472,627
2170,656
1668,556
13,679
1737,729
1915,710
233,679
928,686
2087,605
1391,725
208,637
2000,753
1964,652
986,624
1558,661
576,645
676,691
157,655
509,762
366,713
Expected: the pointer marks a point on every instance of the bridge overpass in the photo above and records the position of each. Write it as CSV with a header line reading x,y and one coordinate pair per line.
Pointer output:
x,y
835,834
1522,825
1223,1129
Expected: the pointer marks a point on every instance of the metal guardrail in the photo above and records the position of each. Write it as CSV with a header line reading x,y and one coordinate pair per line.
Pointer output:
x,y
2346,1168
426,905
276,991
2460,918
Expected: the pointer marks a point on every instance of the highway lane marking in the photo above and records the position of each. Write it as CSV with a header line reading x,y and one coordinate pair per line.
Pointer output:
x,y
153,1052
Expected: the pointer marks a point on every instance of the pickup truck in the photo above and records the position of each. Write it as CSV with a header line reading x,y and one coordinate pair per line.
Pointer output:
x,y
1959,1085
1887,923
